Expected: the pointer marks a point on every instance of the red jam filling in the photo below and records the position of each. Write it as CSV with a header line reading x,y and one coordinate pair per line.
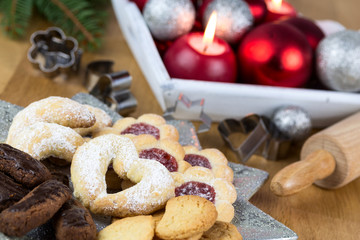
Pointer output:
x,y
197,160
142,128
161,156
196,188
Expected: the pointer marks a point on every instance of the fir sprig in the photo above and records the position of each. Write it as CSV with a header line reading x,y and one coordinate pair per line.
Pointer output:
x,y
16,16
82,19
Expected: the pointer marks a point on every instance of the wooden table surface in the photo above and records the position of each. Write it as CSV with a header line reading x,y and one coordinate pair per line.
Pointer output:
x,y
313,214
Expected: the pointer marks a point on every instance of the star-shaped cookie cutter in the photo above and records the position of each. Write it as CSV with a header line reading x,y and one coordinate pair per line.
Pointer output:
x,y
206,120
53,52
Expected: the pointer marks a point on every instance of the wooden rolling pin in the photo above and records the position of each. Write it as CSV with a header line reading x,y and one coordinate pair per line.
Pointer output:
x,y
331,159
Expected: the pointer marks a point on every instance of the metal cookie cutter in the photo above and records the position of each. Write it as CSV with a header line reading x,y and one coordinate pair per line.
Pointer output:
x,y
53,52
206,120
112,88
254,134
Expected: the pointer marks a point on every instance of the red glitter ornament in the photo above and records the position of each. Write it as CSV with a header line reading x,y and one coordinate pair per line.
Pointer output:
x,y
258,9
140,3
275,54
311,31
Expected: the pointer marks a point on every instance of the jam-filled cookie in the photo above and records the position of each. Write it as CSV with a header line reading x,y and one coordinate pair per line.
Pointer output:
x,y
201,181
210,158
151,124
168,152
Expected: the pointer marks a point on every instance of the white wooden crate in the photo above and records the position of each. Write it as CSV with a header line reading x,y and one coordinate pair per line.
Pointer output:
x,y
226,100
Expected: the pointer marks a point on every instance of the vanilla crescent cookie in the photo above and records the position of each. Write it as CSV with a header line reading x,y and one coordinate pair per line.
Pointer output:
x,y
103,120
210,158
152,124
52,119
154,184
42,140
201,181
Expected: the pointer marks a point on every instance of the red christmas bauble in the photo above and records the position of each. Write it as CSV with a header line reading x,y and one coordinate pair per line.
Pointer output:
x,y
140,3
275,54
311,31
258,9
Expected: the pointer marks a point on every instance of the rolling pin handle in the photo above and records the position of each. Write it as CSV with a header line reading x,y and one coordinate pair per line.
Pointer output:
x,y
300,175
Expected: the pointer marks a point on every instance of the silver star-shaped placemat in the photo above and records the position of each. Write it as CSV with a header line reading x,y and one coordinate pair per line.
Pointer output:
x,y
252,223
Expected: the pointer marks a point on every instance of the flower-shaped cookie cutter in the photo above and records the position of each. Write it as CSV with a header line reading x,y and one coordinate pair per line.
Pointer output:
x,y
53,52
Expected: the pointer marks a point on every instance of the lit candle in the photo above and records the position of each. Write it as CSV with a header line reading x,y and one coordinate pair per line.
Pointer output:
x,y
279,9
201,56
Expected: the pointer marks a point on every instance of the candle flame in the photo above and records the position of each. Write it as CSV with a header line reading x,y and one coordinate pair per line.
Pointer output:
x,y
277,4
210,30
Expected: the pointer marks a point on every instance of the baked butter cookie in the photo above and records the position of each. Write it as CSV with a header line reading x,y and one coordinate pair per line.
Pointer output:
x,y
130,228
222,231
186,216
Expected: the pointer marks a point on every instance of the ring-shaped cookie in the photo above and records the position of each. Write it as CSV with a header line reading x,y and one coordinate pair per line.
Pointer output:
x,y
154,187
90,163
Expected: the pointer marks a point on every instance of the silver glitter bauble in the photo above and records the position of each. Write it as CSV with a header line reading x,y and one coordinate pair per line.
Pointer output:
x,y
233,18
338,61
293,122
169,19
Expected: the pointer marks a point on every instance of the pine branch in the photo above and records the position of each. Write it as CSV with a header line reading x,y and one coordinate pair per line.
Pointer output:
x,y
79,19
73,18
17,14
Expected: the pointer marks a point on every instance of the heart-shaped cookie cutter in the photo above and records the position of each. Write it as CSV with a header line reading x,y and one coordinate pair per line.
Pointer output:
x,y
112,88
53,52
254,134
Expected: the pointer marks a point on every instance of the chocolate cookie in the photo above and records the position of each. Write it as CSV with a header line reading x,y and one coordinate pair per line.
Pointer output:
x,y
22,167
35,209
74,222
10,191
